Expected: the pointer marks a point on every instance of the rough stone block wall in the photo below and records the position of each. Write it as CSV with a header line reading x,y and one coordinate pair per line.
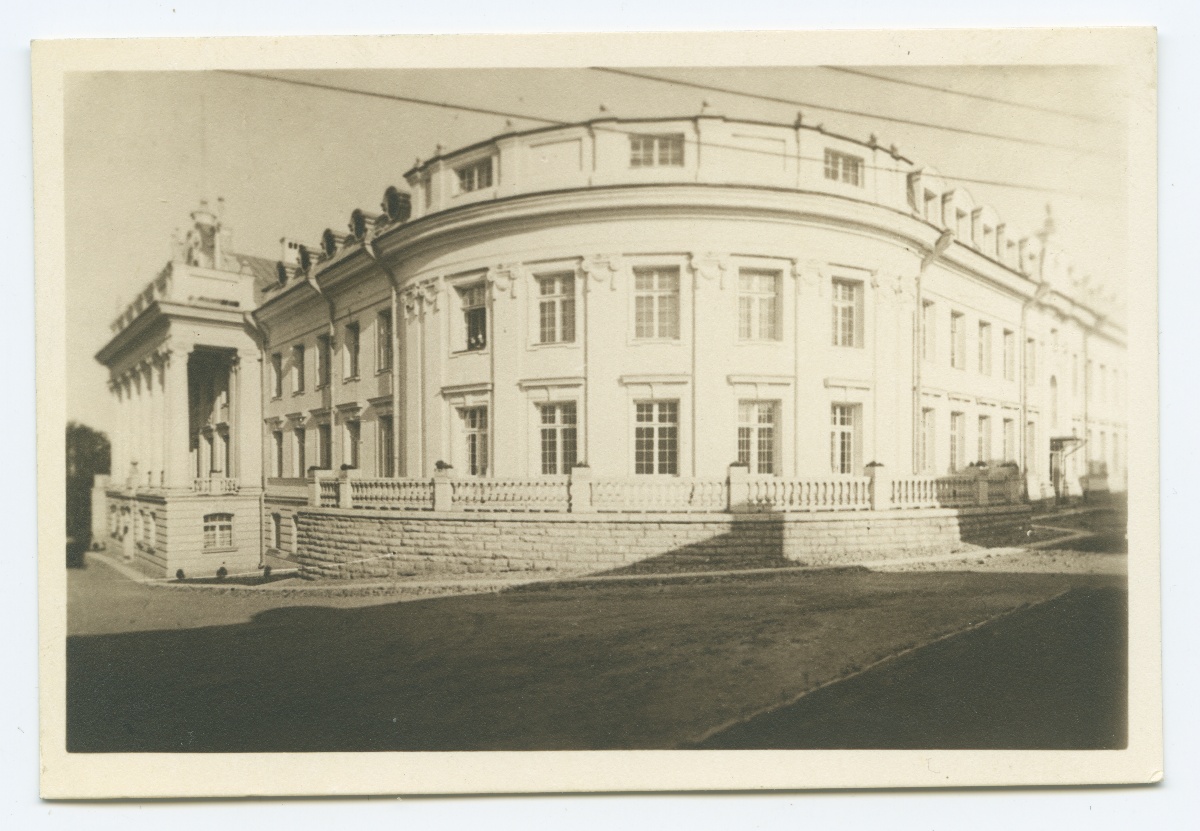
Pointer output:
x,y
358,544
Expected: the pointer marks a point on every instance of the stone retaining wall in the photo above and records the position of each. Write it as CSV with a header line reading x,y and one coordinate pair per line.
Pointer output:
x,y
359,543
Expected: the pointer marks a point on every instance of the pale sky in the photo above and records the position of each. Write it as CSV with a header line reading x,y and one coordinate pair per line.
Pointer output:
x,y
143,148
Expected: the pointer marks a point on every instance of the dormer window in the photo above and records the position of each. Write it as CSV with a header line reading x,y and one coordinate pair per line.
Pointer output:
x,y
475,176
660,150
842,167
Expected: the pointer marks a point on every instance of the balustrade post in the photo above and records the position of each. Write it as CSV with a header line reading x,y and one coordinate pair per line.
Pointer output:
x,y
981,485
881,486
314,490
738,487
579,493
443,493
345,493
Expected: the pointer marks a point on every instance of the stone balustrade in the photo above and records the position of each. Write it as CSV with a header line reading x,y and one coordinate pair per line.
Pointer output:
x,y
737,493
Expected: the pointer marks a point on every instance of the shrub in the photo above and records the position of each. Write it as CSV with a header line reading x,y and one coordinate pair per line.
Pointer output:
x,y
178,574
222,573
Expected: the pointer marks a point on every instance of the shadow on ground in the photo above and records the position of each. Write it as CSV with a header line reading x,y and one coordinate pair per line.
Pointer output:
x,y
1052,677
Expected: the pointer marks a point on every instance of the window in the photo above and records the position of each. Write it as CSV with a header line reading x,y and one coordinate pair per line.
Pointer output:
x,y
383,341
656,299
928,331
985,348
931,207
350,352
1031,445
1087,383
1010,356
324,446
351,438
958,441
475,176
474,307
758,305
656,438
298,368
958,341
843,435
656,150
475,435
757,436
276,531
324,359
556,308
928,440
1103,385
985,439
841,167
1010,440
218,531
1116,453
386,464
847,313
558,437
1030,361
277,448
277,375
1053,401
300,469
962,227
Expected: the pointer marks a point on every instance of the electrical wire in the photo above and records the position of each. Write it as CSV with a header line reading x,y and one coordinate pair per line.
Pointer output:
x,y
798,103
612,129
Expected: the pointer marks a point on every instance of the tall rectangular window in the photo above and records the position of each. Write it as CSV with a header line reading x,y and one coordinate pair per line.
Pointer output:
x,y
298,368
475,439
474,309
958,340
1030,362
1010,355
277,375
985,348
383,341
932,208
656,438
386,464
656,150
758,436
843,438
351,351
958,441
842,167
984,453
276,531
1031,445
218,531
758,305
1010,440
352,438
475,176
556,308
558,437
928,440
847,313
928,330
656,303
325,446
1103,385
324,359
299,466
277,453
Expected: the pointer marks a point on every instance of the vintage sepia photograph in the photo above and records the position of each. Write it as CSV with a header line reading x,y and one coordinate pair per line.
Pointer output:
x,y
612,406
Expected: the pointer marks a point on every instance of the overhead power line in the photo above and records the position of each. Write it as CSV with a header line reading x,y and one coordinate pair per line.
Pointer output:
x,y
988,98
613,129
826,108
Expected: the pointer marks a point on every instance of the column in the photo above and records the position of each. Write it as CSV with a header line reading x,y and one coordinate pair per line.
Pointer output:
x,y
176,421
233,420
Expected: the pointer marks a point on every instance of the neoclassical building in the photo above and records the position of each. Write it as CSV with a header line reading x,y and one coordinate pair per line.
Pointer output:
x,y
617,318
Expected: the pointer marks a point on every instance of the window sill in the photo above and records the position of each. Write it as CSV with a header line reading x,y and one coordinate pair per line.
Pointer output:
x,y
482,351
383,370
350,379
658,341
222,550
553,343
